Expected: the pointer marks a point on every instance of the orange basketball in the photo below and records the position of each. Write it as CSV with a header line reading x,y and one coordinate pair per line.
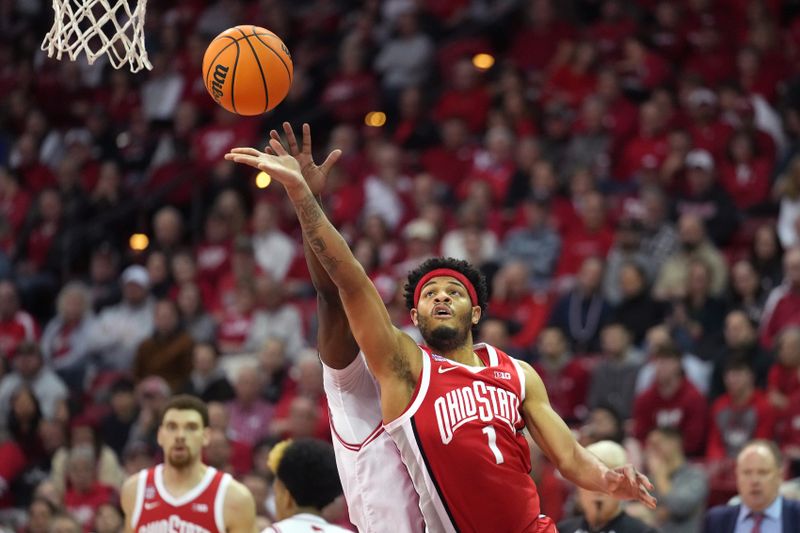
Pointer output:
x,y
247,70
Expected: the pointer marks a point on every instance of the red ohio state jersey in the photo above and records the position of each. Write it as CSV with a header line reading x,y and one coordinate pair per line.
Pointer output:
x,y
197,511
461,440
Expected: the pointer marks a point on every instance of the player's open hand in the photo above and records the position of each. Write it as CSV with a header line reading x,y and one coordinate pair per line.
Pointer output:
x,y
279,165
626,483
314,174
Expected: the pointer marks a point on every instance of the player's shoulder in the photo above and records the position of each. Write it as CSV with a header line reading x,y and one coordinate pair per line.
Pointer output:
x,y
237,497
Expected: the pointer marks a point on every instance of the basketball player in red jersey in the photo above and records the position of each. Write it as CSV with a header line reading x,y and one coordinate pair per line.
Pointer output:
x,y
183,494
376,484
455,411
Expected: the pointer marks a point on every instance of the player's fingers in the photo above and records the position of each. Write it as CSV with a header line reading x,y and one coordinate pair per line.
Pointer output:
x,y
647,498
630,475
290,138
246,151
306,138
277,147
331,160
644,480
243,159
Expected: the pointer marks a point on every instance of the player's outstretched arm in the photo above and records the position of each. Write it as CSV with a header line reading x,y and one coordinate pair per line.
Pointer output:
x,y
393,356
574,462
239,509
337,346
127,499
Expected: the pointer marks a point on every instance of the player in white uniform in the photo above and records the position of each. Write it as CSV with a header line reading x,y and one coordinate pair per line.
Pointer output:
x,y
376,484
305,482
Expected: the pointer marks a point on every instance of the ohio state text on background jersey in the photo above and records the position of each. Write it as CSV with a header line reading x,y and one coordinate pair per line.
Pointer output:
x,y
197,511
461,440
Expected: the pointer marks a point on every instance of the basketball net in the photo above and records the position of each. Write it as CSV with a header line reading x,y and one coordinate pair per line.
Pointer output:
x,y
99,27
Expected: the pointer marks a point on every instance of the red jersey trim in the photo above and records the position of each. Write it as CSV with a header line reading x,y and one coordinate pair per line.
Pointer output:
x,y
356,447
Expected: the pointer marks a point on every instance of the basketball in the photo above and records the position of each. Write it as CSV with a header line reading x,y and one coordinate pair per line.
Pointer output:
x,y
247,70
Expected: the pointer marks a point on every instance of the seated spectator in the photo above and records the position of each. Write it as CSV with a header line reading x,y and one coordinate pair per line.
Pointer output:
x,y
739,415
783,304
40,515
636,308
672,402
108,518
706,199
24,457
198,322
495,331
405,59
275,317
208,380
697,370
85,493
745,174
740,341
600,511
590,236
105,466
274,365
746,291
787,190
450,162
614,378
217,453
237,322
16,325
783,380
697,317
307,373
514,301
680,488
646,149
103,278
250,416
659,237
157,266
582,312
590,146
672,277
472,219
788,429
152,395
65,338
274,250
467,99
65,523
120,329
168,352
29,370
709,133
237,454
115,427
626,249
385,188
535,243
766,253
565,378
492,165
136,457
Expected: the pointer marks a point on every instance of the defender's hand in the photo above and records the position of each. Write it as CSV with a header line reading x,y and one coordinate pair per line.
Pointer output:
x,y
281,166
315,175
626,483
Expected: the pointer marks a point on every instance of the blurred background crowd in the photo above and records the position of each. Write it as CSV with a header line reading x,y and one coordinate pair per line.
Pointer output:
x,y
625,172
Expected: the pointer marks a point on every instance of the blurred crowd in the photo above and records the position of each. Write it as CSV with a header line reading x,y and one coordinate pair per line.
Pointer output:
x,y
626,173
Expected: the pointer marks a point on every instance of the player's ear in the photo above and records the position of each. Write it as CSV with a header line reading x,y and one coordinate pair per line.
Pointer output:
x,y
476,314
206,436
414,316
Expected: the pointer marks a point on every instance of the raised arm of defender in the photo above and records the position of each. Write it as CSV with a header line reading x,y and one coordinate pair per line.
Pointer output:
x,y
392,355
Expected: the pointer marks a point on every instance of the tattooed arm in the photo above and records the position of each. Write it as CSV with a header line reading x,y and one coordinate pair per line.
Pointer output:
x,y
392,355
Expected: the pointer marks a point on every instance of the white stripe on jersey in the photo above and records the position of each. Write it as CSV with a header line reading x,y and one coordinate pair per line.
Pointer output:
x,y
376,484
304,523
402,433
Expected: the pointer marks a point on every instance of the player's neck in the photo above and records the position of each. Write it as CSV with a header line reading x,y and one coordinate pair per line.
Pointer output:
x,y
307,510
465,355
182,479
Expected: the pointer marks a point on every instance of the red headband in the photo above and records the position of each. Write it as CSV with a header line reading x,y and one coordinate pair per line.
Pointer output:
x,y
473,295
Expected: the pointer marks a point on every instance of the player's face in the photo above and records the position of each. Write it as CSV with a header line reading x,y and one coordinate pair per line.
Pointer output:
x,y
182,436
445,314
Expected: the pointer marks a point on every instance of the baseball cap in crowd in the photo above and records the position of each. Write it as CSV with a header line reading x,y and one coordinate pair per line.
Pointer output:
x,y
136,274
153,386
419,229
702,96
700,158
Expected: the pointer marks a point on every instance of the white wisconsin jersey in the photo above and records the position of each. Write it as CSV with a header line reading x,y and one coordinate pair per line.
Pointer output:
x,y
304,523
376,484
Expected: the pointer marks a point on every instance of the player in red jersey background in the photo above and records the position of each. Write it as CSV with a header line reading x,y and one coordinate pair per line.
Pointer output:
x,y
183,494
448,299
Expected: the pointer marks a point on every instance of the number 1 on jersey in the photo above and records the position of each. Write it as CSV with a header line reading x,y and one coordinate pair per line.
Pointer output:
x,y
490,433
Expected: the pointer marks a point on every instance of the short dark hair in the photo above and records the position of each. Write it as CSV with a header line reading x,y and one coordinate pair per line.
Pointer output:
x,y
187,402
474,276
308,471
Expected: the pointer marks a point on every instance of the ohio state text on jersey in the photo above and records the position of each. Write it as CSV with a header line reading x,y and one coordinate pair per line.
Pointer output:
x,y
197,511
461,440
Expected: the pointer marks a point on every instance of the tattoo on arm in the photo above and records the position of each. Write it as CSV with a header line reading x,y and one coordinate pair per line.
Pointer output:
x,y
312,218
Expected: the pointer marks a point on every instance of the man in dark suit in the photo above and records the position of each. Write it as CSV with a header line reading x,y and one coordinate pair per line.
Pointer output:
x,y
762,508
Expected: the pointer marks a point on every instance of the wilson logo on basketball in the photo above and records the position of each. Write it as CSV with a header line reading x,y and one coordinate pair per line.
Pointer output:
x,y
220,73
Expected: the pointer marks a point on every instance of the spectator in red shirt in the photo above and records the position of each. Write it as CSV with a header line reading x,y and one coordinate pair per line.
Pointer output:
x,y
672,401
573,81
566,378
642,70
84,493
16,325
647,149
514,301
708,57
783,380
214,251
738,416
611,29
237,320
307,374
467,98
622,115
667,35
536,44
450,161
352,92
14,200
708,132
783,304
590,236
494,164
745,173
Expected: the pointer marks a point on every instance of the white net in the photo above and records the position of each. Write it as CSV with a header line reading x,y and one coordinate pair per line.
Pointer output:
x,y
99,27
